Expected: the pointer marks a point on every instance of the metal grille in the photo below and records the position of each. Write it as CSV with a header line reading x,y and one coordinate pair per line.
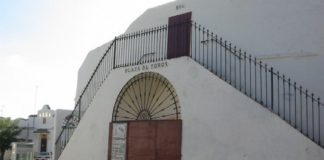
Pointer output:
x,y
147,96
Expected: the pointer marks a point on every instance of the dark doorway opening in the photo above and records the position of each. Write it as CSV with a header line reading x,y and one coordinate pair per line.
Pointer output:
x,y
43,145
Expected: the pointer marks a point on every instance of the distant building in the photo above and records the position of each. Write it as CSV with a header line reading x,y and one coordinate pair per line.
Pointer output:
x,y
38,134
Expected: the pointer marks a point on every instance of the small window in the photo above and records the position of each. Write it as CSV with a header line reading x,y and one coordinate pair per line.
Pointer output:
x,y
44,120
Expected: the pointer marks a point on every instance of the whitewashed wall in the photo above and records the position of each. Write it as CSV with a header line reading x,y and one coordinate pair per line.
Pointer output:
x,y
59,117
218,121
285,34
87,68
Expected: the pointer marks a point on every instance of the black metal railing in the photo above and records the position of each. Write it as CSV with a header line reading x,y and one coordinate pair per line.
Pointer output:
x,y
145,46
267,86
293,103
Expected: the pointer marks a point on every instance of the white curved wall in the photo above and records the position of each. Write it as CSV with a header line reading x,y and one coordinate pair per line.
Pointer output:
x,y
285,34
259,26
88,66
219,122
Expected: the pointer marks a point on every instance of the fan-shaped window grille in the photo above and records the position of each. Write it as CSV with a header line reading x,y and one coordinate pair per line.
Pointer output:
x,y
147,96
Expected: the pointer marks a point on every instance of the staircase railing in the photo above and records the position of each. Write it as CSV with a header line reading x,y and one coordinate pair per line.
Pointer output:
x,y
293,103
136,48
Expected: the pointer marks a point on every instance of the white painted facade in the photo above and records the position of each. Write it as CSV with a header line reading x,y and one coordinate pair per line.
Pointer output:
x,y
46,123
218,121
287,35
60,115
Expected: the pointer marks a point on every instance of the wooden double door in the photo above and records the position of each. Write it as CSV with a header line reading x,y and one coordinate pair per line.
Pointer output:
x,y
145,140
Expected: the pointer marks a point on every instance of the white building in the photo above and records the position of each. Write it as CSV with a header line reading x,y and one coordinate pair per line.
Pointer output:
x,y
39,133
173,88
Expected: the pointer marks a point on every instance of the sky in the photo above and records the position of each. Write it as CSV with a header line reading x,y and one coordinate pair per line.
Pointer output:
x,y
44,42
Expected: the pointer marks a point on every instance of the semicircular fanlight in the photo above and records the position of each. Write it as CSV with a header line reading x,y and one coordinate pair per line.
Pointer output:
x,y
147,96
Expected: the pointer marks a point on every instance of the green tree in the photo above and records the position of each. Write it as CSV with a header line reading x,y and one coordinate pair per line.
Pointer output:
x,y
8,133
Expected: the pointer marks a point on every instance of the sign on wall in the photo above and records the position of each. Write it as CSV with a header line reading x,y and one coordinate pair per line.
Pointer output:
x,y
146,67
118,148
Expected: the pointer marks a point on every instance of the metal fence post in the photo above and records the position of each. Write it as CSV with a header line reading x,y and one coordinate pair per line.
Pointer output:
x,y
79,118
114,61
271,85
319,120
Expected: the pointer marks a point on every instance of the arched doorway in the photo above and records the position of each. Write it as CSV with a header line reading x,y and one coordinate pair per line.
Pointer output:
x,y
146,121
